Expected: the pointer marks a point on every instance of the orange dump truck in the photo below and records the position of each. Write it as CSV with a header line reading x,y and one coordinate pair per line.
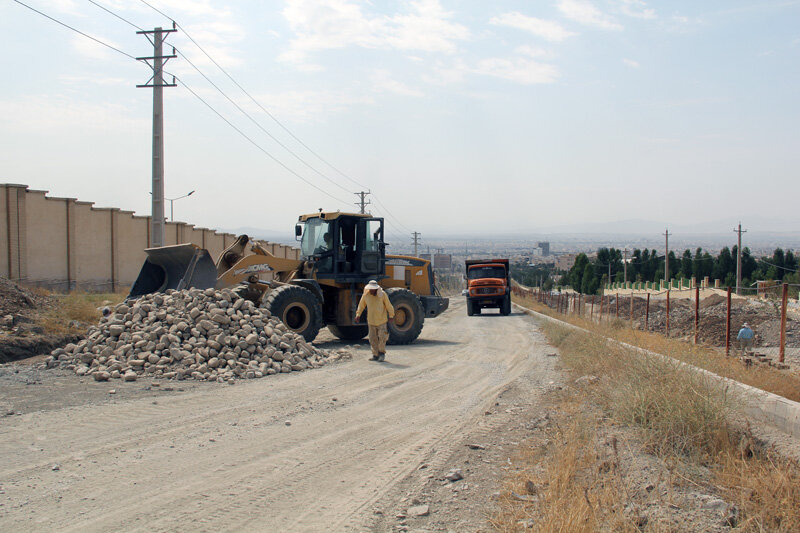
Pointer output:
x,y
488,285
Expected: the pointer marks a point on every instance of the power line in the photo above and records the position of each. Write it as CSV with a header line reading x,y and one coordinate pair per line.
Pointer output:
x,y
254,121
254,143
76,30
232,102
274,118
265,110
123,19
778,266
188,88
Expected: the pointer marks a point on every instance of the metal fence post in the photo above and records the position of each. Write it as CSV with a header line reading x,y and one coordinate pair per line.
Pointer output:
x,y
600,314
696,311
728,326
784,300
647,313
667,312
630,315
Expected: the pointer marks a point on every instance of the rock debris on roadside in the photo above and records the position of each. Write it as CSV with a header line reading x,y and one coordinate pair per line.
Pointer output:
x,y
211,335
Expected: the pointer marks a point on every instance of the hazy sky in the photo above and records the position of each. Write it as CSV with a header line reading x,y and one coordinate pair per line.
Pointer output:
x,y
501,116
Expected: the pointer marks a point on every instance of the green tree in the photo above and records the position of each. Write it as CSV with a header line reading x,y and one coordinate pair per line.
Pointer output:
x,y
589,282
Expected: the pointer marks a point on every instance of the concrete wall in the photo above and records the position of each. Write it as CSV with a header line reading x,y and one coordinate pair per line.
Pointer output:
x,y
66,244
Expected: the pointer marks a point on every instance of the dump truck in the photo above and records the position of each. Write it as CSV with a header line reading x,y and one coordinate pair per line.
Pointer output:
x,y
340,254
488,285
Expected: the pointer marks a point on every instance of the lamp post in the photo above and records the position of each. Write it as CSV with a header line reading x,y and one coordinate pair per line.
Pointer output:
x,y
171,203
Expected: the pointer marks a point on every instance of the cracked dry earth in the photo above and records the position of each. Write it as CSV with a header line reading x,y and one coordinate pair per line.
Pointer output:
x,y
354,446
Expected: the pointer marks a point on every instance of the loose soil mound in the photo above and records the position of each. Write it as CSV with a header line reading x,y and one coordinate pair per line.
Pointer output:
x,y
15,299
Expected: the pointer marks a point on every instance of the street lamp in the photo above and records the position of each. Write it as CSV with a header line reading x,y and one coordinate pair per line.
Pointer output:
x,y
172,201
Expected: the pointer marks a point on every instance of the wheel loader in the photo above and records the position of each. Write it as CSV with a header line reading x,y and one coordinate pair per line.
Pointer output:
x,y
340,253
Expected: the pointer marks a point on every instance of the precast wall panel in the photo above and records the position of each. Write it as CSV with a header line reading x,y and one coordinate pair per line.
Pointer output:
x,y
4,250
92,247
48,261
132,240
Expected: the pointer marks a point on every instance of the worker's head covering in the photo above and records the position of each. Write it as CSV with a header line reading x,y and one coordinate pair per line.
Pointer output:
x,y
372,285
745,325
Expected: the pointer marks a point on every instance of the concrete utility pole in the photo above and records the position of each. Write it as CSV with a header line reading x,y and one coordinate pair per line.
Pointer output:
x,y
156,82
361,203
739,230
416,235
666,258
625,268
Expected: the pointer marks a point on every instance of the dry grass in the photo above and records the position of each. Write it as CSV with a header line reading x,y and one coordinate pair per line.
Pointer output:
x,y
684,413
569,488
683,418
80,307
782,382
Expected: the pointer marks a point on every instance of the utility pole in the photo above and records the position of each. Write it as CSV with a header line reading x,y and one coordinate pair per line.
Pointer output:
x,y
156,82
739,230
361,203
666,258
416,235
625,269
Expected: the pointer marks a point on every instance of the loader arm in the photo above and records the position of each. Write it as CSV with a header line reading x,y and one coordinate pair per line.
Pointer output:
x,y
264,267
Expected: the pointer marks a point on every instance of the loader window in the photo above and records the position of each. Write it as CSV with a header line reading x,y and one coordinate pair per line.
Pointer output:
x,y
373,236
317,237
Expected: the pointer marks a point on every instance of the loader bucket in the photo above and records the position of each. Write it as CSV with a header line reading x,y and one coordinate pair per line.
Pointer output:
x,y
175,267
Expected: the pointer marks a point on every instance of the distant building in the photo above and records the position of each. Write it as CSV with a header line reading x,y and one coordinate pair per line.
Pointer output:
x,y
443,261
566,261
544,246
426,257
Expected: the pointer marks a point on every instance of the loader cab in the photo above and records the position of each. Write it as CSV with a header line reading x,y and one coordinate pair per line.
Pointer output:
x,y
345,248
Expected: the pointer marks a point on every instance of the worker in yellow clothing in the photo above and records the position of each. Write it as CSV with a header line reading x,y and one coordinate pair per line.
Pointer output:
x,y
378,307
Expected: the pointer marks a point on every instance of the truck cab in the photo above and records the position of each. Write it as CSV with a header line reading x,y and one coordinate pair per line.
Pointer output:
x,y
488,285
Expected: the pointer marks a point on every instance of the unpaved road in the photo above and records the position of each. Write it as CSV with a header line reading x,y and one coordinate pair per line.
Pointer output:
x,y
311,451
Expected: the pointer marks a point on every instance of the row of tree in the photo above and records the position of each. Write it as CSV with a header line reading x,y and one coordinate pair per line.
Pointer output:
x,y
588,276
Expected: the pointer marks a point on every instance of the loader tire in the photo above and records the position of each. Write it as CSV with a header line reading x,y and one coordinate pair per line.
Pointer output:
x,y
408,316
298,308
349,333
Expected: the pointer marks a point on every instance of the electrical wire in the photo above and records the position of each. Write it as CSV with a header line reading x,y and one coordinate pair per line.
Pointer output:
x,y
275,119
254,121
123,19
254,143
265,110
778,266
182,81
76,30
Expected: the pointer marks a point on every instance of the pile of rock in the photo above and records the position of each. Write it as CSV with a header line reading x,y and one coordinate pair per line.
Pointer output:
x,y
211,335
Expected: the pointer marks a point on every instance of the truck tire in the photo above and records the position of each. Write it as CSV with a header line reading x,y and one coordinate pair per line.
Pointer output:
x,y
470,310
476,308
408,316
349,333
298,308
505,309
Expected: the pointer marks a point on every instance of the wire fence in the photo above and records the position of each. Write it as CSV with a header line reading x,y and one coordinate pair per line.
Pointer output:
x,y
713,319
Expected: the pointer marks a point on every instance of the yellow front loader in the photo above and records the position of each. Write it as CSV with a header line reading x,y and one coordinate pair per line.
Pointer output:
x,y
340,253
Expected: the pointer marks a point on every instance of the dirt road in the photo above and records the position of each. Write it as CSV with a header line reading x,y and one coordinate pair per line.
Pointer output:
x,y
307,451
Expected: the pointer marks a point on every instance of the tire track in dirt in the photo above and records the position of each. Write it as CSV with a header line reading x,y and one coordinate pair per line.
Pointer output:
x,y
222,457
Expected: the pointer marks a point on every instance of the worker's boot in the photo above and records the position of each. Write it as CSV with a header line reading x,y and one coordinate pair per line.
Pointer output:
x,y
381,357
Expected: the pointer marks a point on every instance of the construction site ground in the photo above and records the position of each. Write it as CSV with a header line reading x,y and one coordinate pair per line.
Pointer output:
x,y
350,446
